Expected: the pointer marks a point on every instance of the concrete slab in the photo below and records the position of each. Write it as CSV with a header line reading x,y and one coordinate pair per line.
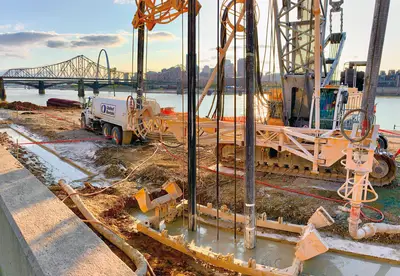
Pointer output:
x,y
42,236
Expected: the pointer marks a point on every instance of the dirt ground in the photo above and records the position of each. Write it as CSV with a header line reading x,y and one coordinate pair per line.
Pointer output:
x,y
112,206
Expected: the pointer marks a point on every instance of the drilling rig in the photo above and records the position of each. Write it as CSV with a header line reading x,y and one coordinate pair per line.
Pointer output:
x,y
300,135
312,120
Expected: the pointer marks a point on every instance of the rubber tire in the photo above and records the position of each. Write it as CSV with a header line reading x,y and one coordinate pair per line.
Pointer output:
x,y
117,135
382,142
107,130
83,122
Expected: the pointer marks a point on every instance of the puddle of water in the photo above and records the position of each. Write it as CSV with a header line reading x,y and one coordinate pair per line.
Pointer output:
x,y
267,252
277,254
57,167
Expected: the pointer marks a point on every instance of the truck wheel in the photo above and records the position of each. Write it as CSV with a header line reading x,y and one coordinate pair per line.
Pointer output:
x,y
117,135
107,131
83,121
382,142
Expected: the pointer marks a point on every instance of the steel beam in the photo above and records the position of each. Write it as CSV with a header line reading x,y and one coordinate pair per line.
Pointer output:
x,y
375,55
249,196
140,60
191,72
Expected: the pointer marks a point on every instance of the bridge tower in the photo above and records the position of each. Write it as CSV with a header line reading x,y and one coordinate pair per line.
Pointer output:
x,y
81,89
2,90
41,88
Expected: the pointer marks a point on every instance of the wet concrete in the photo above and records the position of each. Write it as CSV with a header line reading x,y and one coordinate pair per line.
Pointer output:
x,y
276,254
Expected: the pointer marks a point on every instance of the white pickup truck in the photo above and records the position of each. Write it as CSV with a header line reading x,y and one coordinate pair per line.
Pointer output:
x,y
113,116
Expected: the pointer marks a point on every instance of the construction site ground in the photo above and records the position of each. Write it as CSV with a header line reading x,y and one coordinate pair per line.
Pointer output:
x,y
117,162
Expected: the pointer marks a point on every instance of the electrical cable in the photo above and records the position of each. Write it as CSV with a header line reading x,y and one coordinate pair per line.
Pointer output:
x,y
198,98
119,181
234,118
218,116
133,56
145,65
183,102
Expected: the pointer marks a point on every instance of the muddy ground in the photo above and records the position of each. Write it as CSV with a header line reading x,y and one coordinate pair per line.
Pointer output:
x,y
112,206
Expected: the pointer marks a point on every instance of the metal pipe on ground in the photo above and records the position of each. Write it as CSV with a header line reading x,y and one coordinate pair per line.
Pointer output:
x,y
137,257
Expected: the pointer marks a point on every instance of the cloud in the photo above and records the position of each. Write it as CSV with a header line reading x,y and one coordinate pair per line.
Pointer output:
x,y
16,27
24,41
13,55
5,27
23,38
161,36
57,44
87,41
13,52
97,41
15,42
19,27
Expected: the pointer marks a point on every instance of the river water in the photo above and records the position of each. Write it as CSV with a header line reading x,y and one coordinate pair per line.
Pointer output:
x,y
387,114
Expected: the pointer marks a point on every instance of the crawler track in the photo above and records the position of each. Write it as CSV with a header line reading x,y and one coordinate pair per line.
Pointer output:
x,y
295,167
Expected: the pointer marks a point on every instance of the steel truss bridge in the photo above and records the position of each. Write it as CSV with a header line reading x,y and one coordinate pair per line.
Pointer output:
x,y
78,70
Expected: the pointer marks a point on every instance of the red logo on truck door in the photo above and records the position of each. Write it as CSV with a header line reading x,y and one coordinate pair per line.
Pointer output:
x,y
108,109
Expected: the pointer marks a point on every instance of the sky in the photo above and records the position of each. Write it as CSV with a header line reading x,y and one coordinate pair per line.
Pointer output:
x,y
42,32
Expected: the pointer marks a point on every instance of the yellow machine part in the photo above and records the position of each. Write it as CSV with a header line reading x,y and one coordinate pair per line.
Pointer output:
x,y
274,95
162,13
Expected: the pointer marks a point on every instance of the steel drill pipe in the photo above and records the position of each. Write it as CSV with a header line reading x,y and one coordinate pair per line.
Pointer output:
x,y
250,194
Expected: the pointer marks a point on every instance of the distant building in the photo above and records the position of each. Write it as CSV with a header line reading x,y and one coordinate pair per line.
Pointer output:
x,y
205,73
241,67
389,79
229,70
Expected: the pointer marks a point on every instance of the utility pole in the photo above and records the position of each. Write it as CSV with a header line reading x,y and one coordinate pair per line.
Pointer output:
x,y
249,195
191,72
140,59
375,55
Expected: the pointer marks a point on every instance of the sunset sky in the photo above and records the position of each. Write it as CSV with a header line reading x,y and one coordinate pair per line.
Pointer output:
x,y
41,32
